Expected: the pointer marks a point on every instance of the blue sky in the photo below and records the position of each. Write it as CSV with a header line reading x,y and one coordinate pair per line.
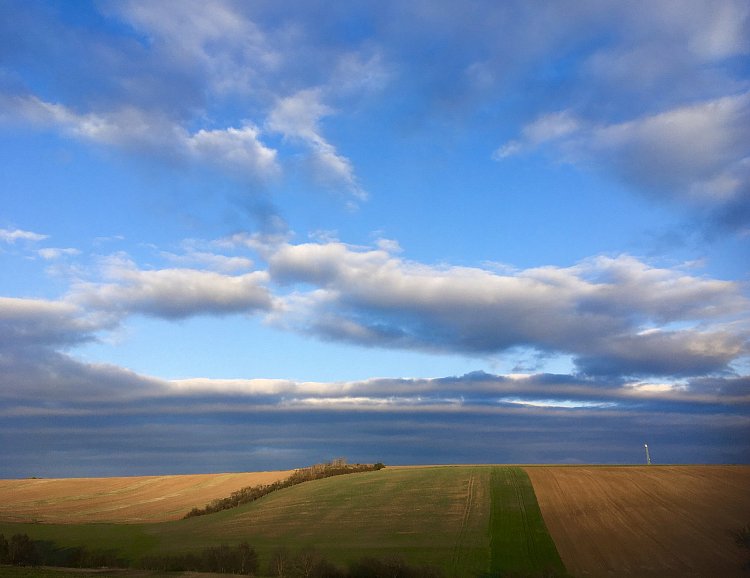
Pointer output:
x,y
240,236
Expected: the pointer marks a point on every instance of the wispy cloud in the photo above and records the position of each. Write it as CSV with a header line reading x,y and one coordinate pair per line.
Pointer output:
x,y
235,149
697,153
53,253
297,117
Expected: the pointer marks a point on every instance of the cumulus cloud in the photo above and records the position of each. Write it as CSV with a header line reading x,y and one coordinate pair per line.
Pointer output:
x,y
611,314
173,293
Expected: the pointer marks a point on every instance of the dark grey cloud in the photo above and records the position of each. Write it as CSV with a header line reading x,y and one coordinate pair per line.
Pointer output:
x,y
167,435
616,316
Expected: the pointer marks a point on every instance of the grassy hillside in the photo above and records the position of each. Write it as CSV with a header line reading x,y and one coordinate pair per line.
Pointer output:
x,y
438,516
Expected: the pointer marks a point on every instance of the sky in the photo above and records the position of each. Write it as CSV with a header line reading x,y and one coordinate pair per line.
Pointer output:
x,y
241,236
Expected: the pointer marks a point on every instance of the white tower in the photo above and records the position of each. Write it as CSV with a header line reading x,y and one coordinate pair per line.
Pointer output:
x,y
648,457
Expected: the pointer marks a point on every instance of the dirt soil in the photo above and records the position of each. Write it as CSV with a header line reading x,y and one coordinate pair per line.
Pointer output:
x,y
127,499
666,521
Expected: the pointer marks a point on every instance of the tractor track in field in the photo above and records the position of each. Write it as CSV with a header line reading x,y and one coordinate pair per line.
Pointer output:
x,y
458,550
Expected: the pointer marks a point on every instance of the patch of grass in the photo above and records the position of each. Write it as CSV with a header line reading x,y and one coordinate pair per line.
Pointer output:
x,y
131,541
39,572
520,542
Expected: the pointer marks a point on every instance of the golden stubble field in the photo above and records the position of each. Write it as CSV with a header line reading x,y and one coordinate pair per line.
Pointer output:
x,y
667,521
120,500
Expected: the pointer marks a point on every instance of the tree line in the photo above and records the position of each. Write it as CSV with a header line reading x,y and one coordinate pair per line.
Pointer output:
x,y
241,559
306,563
252,493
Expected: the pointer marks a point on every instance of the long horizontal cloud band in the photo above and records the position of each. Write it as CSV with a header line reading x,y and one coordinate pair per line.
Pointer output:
x,y
615,316
223,441
53,404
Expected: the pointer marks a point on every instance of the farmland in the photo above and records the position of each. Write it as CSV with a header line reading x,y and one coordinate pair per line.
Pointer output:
x,y
121,500
429,515
467,520
432,516
645,521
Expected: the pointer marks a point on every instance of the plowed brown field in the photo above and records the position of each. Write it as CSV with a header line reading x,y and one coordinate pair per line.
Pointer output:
x,y
121,500
665,521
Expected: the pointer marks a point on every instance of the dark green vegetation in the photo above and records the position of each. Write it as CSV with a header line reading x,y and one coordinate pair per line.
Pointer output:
x,y
45,572
20,550
252,493
465,520
241,559
520,542
742,539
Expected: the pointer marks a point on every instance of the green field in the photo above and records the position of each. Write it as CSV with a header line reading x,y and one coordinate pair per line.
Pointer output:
x,y
467,520
520,542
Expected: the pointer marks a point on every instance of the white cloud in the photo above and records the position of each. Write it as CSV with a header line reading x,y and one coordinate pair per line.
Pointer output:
x,y
13,235
238,150
53,253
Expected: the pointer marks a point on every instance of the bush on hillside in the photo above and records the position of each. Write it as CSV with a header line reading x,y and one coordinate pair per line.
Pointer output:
x,y
252,493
